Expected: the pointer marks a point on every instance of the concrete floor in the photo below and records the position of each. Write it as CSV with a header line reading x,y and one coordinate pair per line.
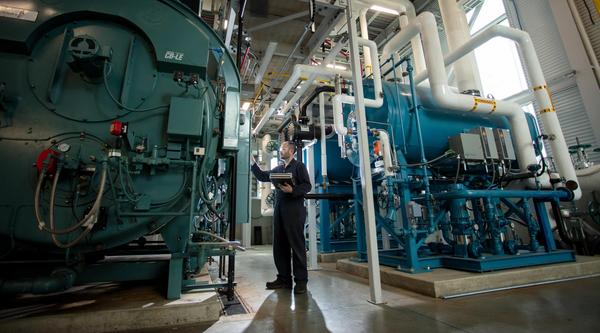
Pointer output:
x,y
337,302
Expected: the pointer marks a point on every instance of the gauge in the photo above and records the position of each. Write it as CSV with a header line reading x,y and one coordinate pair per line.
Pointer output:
x,y
64,147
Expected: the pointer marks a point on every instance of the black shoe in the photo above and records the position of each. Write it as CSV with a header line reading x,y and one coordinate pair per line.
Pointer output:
x,y
279,284
300,288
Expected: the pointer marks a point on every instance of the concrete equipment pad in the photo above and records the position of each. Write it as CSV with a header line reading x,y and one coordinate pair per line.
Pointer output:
x,y
447,283
108,307
335,256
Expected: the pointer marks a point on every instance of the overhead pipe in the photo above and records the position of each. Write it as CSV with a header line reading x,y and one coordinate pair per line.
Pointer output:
x,y
299,71
377,102
338,100
458,32
406,9
442,97
538,85
364,32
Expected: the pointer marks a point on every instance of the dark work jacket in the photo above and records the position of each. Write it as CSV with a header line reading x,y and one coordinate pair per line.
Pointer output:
x,y
301,179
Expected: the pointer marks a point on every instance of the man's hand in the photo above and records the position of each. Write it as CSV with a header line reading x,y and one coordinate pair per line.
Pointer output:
x,y
287,188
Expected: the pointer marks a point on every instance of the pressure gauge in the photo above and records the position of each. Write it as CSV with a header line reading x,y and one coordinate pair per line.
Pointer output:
x,y
63,147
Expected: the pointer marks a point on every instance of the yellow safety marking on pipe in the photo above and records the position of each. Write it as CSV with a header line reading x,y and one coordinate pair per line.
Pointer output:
x,y
597,4
545,87
547,110
477,101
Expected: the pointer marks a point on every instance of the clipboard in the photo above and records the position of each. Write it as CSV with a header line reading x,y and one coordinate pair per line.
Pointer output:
x,y
281,179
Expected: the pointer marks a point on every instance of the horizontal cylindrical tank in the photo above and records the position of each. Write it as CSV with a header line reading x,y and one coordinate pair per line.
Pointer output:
x,y
396,116
339,170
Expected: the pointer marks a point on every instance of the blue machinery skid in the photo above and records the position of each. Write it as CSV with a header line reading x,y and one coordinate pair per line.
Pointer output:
x,y
434,217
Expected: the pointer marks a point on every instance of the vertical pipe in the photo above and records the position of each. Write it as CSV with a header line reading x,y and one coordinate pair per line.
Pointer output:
x,y
323,140
312,214
365,168
415,109
231,259
457,31
364,32
415,43
401,115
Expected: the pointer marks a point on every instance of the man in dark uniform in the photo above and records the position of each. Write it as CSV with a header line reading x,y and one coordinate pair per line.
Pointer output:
x,y
288,221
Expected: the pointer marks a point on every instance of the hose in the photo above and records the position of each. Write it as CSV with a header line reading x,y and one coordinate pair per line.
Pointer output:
x,y
90,218
105,80
224,240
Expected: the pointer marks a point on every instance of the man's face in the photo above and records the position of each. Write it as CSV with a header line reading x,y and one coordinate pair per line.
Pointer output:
x,y
285,151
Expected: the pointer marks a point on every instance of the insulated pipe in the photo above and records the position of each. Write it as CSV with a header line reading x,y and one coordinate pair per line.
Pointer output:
x,y
457,31
323,139
377,102
265,190
364,32
406,9
373,54
299,70
387,152
442,97
539,87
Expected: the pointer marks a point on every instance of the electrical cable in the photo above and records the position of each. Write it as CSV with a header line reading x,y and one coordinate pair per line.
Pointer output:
x,y
105,80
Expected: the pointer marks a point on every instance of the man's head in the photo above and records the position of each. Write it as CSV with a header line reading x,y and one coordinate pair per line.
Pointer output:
x,y
287,150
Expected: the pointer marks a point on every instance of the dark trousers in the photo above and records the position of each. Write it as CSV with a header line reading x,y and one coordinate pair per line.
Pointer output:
x,y
288,241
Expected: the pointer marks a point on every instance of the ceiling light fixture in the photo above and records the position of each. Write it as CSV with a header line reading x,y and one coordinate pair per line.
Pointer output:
x,y
384,10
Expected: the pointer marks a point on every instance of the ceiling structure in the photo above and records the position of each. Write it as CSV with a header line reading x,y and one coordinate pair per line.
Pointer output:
x,y
277,35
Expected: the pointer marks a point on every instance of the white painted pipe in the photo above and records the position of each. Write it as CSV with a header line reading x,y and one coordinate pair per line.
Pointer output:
x,y
387,153
302,70
406,9
328,74
364,32
457,32
377,102
265,210
338,117
538,85
323,138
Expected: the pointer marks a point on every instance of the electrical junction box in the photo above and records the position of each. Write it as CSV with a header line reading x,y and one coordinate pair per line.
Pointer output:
x,y
468,146
185,117
488,142
506,150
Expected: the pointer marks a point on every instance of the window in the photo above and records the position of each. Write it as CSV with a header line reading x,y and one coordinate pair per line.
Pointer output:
x,y
498,60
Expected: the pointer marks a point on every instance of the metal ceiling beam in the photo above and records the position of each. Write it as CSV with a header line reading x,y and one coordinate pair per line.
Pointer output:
x,y
388,32
327,24
264,63
278,21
